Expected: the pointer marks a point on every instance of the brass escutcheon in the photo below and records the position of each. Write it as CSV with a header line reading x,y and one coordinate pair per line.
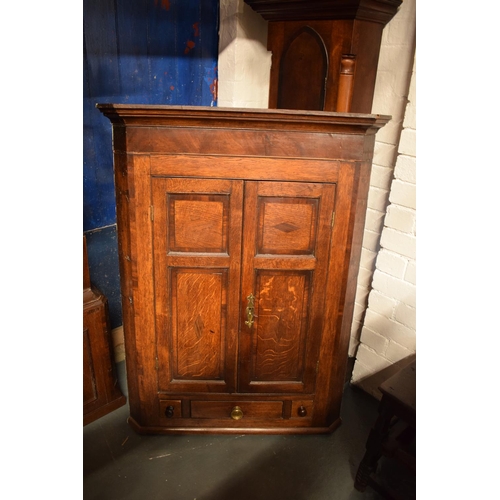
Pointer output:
x,y
250,310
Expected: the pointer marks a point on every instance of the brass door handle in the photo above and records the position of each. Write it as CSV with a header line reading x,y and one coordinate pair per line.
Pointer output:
x,y
250,310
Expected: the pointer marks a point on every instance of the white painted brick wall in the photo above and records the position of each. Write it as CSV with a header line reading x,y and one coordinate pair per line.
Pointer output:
x,y
405,169
391,263
403,193
392,189
398,241
374,220
411,272
407,145
394,287
378,199
368,258
391,97
244,63
381,177
401,218
407,315
388,333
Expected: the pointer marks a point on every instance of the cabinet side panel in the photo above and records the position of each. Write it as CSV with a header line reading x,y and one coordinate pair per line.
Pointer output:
x,y
124,179
342,339
344,258
139,304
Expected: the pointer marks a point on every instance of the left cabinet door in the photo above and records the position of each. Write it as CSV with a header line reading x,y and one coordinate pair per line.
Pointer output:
x,y
197,227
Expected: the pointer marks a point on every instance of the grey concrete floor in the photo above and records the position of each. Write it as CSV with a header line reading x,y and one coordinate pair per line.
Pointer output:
x,y
120,464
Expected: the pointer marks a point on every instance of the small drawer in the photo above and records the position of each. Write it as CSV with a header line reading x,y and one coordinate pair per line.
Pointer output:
x,y
237,410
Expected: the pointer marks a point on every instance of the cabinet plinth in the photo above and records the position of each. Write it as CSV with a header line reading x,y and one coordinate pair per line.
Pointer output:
x,y
239,240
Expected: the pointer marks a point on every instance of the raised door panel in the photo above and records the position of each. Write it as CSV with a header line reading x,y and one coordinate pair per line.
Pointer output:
x,y
287,229
199,323
197,251
280,332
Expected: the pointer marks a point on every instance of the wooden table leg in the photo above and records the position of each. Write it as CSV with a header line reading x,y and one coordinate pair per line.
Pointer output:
x,y
374,447
398,407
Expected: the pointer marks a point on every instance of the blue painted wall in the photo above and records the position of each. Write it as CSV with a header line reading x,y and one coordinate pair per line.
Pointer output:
x,y
138,52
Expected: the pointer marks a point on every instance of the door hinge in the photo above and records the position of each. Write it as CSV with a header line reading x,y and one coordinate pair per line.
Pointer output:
x,y
317,366
333,218
152,212
157,364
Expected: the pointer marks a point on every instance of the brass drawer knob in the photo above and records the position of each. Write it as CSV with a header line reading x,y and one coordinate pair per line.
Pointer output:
x,y
302,411
169,411
236,413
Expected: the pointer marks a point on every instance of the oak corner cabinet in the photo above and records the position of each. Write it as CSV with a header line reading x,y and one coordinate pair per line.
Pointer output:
x,y
239,239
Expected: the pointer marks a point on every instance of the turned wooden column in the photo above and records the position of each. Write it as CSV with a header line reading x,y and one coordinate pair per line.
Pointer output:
x,y
325,53
346,83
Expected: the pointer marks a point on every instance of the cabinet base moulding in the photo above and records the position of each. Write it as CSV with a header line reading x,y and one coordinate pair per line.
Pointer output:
x,y
180,430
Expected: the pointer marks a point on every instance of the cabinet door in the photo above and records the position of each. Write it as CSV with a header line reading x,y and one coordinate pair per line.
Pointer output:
x,y
197,253
287,230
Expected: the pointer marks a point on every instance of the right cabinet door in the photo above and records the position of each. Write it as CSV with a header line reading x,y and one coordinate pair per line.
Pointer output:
x,y
286,241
